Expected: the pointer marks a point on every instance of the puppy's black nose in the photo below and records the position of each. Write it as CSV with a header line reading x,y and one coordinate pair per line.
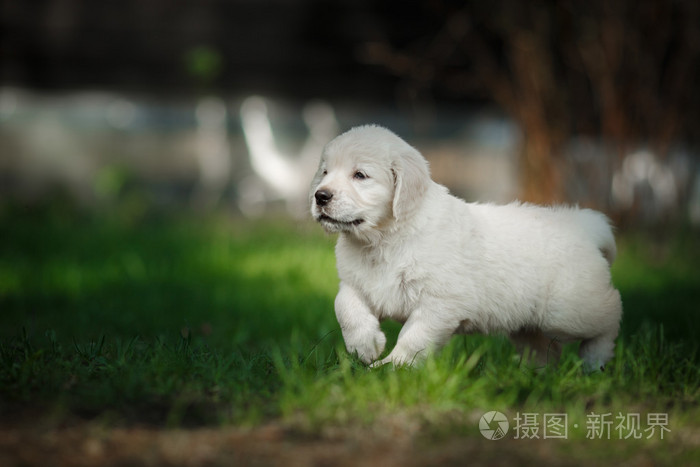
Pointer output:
x,y
323,197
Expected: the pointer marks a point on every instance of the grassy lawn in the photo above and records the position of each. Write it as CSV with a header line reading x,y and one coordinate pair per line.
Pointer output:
x,y
182,323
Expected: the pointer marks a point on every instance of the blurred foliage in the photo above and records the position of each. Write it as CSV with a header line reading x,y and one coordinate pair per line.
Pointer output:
x,y
204,63
110,182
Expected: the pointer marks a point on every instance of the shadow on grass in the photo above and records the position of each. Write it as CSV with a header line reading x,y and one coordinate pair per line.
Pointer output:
x,y
167,322
235,284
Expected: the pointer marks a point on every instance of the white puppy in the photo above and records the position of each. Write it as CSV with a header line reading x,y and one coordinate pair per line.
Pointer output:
x,y
411,252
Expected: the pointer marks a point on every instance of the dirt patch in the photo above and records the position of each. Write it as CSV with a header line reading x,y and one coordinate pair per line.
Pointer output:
x,y
399,440
89,444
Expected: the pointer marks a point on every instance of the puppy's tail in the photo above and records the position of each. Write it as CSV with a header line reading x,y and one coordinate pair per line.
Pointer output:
x,y
597,227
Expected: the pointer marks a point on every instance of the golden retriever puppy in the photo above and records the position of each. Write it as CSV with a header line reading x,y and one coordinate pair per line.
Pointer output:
x,y
409,251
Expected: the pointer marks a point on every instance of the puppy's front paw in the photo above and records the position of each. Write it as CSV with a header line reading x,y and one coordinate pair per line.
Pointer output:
x,y
368,344
397,359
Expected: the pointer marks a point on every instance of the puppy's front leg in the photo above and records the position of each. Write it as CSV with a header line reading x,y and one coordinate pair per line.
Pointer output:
x,y
360,327
419,336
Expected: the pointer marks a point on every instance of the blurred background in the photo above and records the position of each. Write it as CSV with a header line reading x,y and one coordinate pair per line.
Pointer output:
x,y
226,104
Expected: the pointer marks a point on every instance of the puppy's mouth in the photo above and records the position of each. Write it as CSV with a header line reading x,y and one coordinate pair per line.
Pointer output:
x,y
323,218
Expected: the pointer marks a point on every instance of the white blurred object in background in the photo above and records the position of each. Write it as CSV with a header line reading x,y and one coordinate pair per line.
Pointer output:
x,y
642,170
281,175
213,153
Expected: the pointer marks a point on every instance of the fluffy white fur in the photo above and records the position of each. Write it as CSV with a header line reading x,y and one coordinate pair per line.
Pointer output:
x,y
409,251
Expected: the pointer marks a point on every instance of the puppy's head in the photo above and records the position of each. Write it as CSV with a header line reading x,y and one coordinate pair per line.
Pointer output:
x,y
368,179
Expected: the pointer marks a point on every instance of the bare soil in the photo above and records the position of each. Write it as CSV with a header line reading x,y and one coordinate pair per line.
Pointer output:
x,y
93,444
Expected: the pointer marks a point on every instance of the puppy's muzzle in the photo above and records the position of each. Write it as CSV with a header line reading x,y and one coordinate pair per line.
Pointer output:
x,y
323,197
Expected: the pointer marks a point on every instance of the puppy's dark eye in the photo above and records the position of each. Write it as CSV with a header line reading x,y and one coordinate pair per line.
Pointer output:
x,y
325,172
359,175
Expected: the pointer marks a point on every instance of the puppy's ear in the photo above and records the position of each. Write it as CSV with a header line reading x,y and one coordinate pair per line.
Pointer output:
x,y
411,178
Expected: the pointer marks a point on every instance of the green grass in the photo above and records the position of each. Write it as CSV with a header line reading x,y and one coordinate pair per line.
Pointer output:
x,y
189,322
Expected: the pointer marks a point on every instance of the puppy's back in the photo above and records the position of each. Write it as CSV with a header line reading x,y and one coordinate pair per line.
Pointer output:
x,y
585,225
596,226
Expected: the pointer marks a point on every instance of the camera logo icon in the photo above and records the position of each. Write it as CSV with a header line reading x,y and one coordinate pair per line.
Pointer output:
x,y
493,425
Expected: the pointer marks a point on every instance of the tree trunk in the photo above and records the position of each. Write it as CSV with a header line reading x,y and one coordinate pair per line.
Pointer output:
x,y
540,171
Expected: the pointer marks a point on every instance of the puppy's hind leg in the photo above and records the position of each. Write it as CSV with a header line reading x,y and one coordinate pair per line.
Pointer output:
x,y
545,350
596,352
598,349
